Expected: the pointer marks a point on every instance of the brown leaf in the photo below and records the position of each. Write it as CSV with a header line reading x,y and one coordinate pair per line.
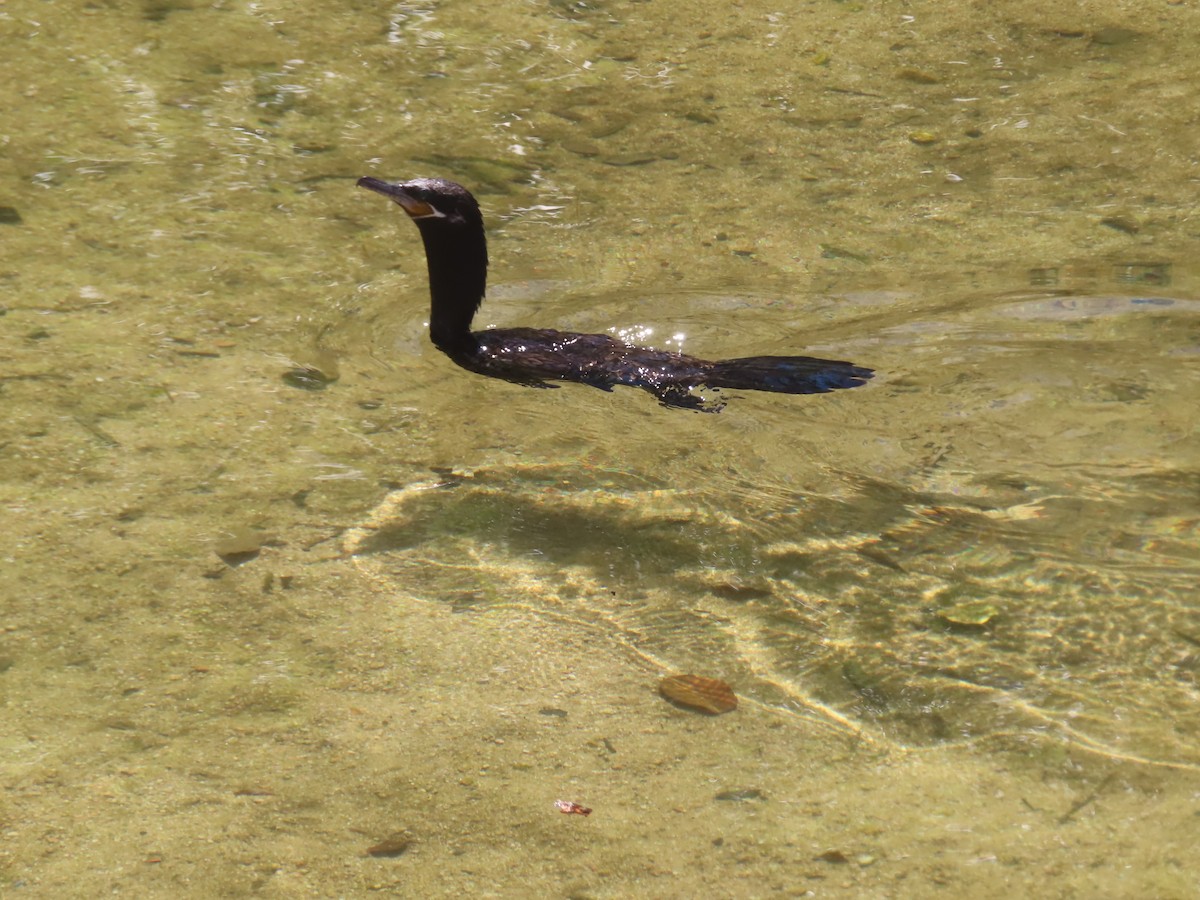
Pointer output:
x,y
708,695
394,845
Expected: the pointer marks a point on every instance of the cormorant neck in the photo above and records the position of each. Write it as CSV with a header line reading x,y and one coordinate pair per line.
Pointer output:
x,y
456,252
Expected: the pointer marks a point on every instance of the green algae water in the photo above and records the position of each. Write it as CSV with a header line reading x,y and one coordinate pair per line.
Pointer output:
x,y
258,624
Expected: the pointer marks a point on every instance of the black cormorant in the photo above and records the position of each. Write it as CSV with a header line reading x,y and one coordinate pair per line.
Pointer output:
x,y
456,250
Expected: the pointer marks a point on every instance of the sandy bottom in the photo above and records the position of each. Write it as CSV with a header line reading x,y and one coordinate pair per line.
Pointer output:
x,y
347,713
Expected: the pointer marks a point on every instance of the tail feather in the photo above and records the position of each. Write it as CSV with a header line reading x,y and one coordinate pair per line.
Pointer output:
x,y
787,374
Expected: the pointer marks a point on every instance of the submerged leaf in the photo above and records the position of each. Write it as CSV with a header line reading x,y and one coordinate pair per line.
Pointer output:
x,y
708,695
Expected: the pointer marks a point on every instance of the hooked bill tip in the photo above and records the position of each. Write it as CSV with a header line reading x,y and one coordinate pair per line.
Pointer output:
x,y
372,184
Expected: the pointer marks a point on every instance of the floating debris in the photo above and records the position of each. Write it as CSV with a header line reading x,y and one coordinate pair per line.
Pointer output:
x,y
973,614
569,808
708,695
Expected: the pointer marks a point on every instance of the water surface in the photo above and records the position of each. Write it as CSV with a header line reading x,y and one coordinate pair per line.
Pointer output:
x,y
958,604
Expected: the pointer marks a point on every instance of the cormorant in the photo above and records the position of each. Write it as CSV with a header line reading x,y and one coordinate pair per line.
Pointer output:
x,y
451,226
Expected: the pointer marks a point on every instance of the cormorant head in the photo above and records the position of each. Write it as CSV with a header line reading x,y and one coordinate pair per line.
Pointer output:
x,y
428,200
451,228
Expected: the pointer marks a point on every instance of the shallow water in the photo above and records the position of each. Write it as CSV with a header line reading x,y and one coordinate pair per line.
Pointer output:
x,y
828,554
957,604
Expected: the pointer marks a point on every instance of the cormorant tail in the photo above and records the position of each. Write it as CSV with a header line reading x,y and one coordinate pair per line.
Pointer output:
x,y
787,374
